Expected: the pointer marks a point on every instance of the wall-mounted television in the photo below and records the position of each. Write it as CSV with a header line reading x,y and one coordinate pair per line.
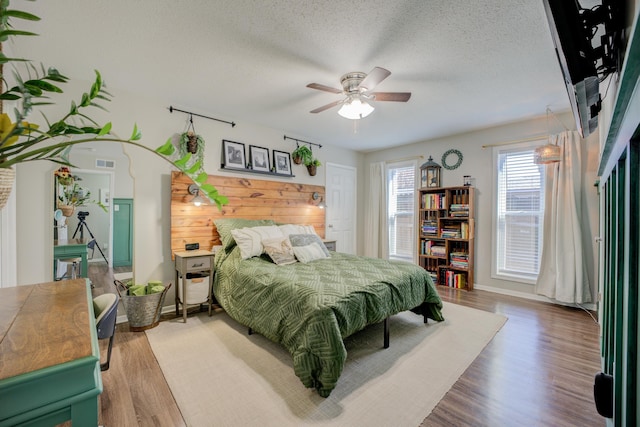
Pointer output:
x,y
572,30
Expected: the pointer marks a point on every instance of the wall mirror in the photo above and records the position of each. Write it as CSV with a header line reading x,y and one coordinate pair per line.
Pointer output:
x,y
93,213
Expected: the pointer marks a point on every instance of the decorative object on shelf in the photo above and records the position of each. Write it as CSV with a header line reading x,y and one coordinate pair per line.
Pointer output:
x,y
282,162
467,181
233,155
452,152
312,166
21,141
301,154
259,158
430,174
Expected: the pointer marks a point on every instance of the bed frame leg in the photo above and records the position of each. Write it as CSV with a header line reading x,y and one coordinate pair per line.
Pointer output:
x,y
386,333
250,331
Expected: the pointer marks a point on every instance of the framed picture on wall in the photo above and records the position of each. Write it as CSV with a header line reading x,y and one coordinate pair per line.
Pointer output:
x,y
259,158
233,155
282,162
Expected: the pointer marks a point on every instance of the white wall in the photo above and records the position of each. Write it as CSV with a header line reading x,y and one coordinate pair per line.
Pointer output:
x,y
477,162
152,257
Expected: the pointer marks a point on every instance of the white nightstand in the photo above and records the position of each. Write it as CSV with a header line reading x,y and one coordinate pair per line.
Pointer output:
x,y
198,261
330,244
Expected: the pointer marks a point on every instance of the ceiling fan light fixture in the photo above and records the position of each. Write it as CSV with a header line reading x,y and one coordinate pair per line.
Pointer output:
x,y
355,108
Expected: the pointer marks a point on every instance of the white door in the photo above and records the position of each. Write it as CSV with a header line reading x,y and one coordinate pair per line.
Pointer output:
x,y
341,207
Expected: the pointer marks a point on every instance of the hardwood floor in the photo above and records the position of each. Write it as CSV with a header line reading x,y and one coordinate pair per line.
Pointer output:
x,y
537,371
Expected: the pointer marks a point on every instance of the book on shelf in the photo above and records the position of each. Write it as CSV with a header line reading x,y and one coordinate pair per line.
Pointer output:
x,y
434,201
450,232
430,228
459,259
454,280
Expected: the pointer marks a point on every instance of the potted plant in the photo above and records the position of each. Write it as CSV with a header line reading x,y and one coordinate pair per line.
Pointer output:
x,y
70,194
302,154
21,141
312,166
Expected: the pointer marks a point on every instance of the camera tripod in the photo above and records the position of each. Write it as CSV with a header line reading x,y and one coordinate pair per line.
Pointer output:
x,y
93,243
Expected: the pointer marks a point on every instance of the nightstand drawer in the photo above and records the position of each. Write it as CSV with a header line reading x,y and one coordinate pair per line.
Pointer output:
x,y
198,263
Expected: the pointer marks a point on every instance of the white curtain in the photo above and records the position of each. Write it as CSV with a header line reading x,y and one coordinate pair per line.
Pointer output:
x,y
375,220
563,268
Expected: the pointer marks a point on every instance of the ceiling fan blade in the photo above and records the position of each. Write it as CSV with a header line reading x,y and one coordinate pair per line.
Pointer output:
x,y
391,96
374,78
326,107
318,86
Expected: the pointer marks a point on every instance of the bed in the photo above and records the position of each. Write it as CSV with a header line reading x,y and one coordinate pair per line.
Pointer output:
x,y
310,307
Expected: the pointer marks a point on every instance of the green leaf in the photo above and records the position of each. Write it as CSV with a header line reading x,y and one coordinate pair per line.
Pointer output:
x,y
73,130
85,100
167,149
9,96
195,168
74,109
105,129
21,15
182,163
136,134
208,188
4,34
44,85
202,178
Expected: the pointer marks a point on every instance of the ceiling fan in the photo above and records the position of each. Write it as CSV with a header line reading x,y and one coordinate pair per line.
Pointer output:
x,y
357,87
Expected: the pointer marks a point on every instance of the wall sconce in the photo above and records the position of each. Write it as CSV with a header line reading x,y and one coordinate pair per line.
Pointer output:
x,y
316,196
195,191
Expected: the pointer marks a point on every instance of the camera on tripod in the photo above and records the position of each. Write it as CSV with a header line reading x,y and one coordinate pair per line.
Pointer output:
x,y
82,215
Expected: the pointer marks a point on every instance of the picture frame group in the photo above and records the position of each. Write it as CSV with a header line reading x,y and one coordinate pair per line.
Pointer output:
x,y
259,159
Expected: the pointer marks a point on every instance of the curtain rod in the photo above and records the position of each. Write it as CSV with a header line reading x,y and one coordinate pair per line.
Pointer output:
x,y
405,159
171,110
517,141
301,141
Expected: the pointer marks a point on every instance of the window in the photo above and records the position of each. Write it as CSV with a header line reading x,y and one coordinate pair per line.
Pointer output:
x,y
401,181
519,214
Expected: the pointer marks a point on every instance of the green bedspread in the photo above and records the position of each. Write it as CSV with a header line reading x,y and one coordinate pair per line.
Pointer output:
x,y
309,308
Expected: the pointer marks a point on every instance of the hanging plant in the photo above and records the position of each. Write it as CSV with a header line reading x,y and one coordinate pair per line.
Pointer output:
x,y
302,154
191,143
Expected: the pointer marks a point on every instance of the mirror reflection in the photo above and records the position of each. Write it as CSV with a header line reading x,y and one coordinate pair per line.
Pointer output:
x,y
93,214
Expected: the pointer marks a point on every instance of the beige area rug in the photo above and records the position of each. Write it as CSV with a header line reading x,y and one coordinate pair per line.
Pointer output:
x,y
220,376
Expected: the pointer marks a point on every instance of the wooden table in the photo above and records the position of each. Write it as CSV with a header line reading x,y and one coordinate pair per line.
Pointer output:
x,y
71,248
49,355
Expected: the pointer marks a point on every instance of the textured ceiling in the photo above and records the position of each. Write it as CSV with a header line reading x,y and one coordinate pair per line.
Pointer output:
x,y
468,64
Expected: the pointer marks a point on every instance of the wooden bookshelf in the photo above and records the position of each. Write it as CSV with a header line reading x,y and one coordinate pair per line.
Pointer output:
x,y
446,235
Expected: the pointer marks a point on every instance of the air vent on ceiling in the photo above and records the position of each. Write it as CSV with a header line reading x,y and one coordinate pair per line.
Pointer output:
x,y
105,164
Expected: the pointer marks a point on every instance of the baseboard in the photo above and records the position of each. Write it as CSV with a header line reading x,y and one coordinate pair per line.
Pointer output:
x,y
589,306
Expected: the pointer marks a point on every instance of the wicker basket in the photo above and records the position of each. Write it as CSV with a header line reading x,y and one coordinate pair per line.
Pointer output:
x,y
7,176
143,312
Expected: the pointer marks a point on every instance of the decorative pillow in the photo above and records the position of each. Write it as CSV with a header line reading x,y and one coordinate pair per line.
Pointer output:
x,y
288,229
309,252
307,239
308,247
225,225
249,239
280,250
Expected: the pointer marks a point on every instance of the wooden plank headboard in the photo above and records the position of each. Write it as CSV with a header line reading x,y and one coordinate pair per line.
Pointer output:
x,y
248,198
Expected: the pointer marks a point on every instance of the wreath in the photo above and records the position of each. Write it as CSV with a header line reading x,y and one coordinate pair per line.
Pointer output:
x,y
447,154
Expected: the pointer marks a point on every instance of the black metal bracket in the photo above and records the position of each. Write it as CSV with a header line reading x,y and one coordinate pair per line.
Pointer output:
x,y
172,109
301,141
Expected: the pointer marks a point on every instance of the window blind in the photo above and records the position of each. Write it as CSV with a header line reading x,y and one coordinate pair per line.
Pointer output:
x,y
400,208
520,214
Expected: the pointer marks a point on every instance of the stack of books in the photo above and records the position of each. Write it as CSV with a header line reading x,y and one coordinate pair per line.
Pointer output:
x,y
459,209
430,228
440,251
450,232
459,259
433,201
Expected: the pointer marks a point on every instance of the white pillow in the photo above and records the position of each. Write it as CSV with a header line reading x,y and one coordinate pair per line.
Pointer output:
x,y
249,239
309,253
288,229
279,250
